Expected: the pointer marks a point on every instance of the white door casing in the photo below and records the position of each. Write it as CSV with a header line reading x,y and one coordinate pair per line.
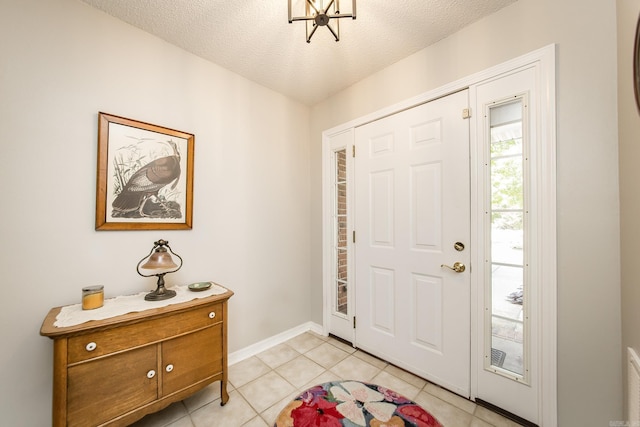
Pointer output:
x,y
411,207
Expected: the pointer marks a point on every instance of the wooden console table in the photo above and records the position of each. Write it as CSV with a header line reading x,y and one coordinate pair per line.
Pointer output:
x,y
113,372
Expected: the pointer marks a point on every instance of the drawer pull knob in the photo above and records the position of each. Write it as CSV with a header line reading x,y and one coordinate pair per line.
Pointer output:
x,y
169,368
212,315
151,374
91,346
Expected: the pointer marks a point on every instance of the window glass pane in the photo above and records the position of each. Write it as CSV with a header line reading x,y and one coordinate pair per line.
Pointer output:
x,y
341,231
506,182
507,238
506,113
342,298
341,268
506,139
507,345
506,279
507,318
507,292
341,165
341,282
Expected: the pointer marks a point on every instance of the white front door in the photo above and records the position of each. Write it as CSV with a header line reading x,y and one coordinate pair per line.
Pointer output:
x,y
412,220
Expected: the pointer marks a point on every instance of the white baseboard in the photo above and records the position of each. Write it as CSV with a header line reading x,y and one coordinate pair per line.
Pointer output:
x,y
259,347
633,386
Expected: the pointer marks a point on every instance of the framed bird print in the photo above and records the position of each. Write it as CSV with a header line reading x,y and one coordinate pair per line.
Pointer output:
x,y
636,65
145,176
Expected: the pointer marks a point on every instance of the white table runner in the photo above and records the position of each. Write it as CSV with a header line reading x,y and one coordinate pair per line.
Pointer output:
x,y
72,315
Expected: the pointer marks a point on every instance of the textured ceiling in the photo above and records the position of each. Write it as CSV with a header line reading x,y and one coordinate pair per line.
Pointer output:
x,y
254,39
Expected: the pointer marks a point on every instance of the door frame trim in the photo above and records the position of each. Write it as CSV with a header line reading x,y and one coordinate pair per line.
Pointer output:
x,y
544,59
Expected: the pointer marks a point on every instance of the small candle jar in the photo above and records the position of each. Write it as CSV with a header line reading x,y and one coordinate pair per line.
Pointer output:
x,y
92,297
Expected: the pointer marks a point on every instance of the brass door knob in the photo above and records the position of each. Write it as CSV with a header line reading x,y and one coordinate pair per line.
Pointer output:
x,y
458,267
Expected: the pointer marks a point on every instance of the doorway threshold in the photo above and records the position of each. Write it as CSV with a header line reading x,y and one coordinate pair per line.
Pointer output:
x,y
504,413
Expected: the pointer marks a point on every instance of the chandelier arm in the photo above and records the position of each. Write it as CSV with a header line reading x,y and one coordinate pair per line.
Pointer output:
x,y
315,27
333,32
329,6
342,15
310,2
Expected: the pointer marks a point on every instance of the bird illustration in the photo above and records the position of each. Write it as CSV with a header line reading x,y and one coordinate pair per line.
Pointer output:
x,y
146,182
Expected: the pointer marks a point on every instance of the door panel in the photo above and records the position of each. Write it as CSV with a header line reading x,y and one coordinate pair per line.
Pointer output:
x,y
427,323
383,301
411,206
382,208
426,186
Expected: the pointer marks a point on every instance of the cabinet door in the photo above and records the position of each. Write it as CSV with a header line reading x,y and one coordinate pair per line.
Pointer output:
x,y
99,390
191,358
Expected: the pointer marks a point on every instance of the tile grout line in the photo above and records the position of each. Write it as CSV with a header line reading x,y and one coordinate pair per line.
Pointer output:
x,y
310,341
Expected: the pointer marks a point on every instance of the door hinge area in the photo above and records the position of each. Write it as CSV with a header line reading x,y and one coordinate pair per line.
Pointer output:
x,y
354,322
354,236
466,113
353,151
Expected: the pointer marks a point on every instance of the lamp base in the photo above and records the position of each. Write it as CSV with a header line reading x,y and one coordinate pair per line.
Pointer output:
x,y
160,294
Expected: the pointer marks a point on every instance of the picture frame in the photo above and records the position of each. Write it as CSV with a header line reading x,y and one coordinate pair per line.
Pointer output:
x,y
636,65
144,176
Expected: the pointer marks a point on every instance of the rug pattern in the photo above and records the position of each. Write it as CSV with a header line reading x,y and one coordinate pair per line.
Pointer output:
x,y
351,404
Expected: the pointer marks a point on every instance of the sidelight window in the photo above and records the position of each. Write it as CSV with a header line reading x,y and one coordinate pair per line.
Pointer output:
x,y
340,231
507,221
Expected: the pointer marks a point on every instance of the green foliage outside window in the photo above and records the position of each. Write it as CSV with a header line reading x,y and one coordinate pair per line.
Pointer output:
x,y
506,184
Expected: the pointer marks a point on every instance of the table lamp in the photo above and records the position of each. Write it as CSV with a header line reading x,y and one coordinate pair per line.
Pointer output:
x,y
158,263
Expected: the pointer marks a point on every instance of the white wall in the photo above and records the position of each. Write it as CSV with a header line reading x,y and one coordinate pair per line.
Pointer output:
x,y
589,329
629,129
60,63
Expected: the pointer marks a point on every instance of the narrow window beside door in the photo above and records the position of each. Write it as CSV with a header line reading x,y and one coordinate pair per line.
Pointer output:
x,y
340,227
506,352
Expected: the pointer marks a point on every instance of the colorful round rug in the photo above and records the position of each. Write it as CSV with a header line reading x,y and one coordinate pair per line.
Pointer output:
x,y
353,403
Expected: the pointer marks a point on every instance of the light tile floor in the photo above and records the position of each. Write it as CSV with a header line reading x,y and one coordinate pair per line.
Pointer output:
x,y
259,387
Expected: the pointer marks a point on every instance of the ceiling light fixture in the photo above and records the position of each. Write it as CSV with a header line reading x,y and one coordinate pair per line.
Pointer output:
x,y
317,15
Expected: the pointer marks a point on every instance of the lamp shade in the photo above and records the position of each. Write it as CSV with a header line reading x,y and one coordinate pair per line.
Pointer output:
x,y
160,259
158,263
